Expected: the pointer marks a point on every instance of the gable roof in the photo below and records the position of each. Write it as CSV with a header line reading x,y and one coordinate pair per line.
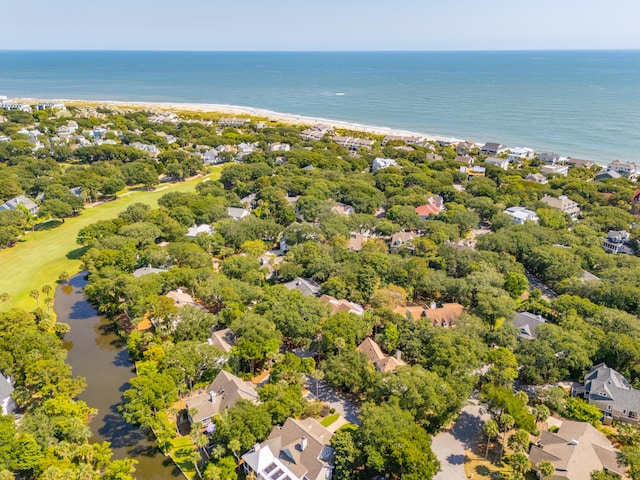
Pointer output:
x,y
576,450
527,324
301,449
342,305
427,210
383,363
223,393
305,286
237,213
604,384
447,314
223,340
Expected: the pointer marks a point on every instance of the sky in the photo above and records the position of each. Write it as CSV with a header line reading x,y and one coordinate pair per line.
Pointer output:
x,y
296,25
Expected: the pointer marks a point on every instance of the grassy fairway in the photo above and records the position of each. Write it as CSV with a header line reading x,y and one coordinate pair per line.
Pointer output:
x,y
40,256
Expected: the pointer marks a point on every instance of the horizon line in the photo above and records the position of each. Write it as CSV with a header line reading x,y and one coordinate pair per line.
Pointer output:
x,y
631,49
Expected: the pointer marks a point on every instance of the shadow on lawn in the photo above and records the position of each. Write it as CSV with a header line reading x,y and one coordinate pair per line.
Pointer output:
x,y
77,253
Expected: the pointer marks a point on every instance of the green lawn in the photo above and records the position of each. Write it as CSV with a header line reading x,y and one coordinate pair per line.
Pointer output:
x,y
328,420
39,257
180,453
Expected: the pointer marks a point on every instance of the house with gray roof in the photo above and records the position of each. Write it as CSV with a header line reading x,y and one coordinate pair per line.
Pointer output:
x,y
576,450
223,393
304,285
299,450
21,201
237,213
223,340
527,324
611,393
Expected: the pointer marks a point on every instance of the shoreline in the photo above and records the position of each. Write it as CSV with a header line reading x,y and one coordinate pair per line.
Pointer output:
x,y
283,117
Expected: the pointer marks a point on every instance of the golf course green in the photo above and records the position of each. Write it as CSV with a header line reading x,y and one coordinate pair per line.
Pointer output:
x,y
39,257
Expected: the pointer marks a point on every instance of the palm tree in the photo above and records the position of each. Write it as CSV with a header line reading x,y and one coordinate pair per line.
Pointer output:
x,y
47,289
48,301
491,430
317,375
546,468
541,412
519,441
520,463
198,438
507,422
35,294
195,458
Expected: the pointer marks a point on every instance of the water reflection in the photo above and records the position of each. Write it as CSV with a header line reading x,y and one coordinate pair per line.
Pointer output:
x,y
97,353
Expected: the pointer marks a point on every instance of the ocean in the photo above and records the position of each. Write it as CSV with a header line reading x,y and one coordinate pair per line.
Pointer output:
x,y
584,104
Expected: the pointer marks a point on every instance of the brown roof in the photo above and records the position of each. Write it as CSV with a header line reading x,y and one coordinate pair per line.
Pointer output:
x,y
383,363
449,312
341,305
576,450
413,312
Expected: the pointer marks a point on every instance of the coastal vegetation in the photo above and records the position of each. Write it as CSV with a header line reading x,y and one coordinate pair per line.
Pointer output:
x,y
316,213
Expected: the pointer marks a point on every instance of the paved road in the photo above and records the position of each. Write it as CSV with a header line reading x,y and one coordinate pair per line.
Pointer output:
x,y
343,406
449,446
547,293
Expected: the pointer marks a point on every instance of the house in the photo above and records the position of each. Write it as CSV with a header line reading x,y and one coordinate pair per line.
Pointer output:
x,y
401,238
578,163
521,215
223,393
503,163
464,159
464,148
354,143
626,169
245,149
343,209
555,170
76,191
550,157
205,228
432,157
380,163
491,148
444,316
212,157
434,205
576,450
315,133
182,299
298,450
6,389
527,323
537,178
223,340
564,204
150,148
611,393
233,122
608,175
342,305
163,117
269,261
520,153
304,285
237,213
148,270
21,201
52,105
401,138
279,147
357,240
473,171
617,242
383,363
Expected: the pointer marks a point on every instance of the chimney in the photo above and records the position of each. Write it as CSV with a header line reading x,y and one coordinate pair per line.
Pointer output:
x,y
179,291
432,306
574,442
398,355
303,443
212,394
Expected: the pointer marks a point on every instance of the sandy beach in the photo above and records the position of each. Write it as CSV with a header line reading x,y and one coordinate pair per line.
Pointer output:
x,y
289,118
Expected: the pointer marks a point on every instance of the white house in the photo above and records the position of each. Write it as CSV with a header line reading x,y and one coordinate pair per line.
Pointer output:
x,y
197,229
503,163
520,153
555,170
237,213
521,215
279,147
380,163
626,169
6,389
22,201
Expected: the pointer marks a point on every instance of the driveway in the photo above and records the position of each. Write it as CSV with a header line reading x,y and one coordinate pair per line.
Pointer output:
x,y
345,407
547,293
449,445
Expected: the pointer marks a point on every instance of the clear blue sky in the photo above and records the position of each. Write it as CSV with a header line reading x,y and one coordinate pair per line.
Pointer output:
x,y
321,25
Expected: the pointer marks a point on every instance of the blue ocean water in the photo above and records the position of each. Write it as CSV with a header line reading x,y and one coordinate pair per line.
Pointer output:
x,y
580,103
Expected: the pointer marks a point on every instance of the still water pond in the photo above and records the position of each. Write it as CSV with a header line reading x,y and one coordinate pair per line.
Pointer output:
x,y
97,353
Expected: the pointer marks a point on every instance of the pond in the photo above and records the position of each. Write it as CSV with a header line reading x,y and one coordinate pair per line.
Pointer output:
x,y
99,354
